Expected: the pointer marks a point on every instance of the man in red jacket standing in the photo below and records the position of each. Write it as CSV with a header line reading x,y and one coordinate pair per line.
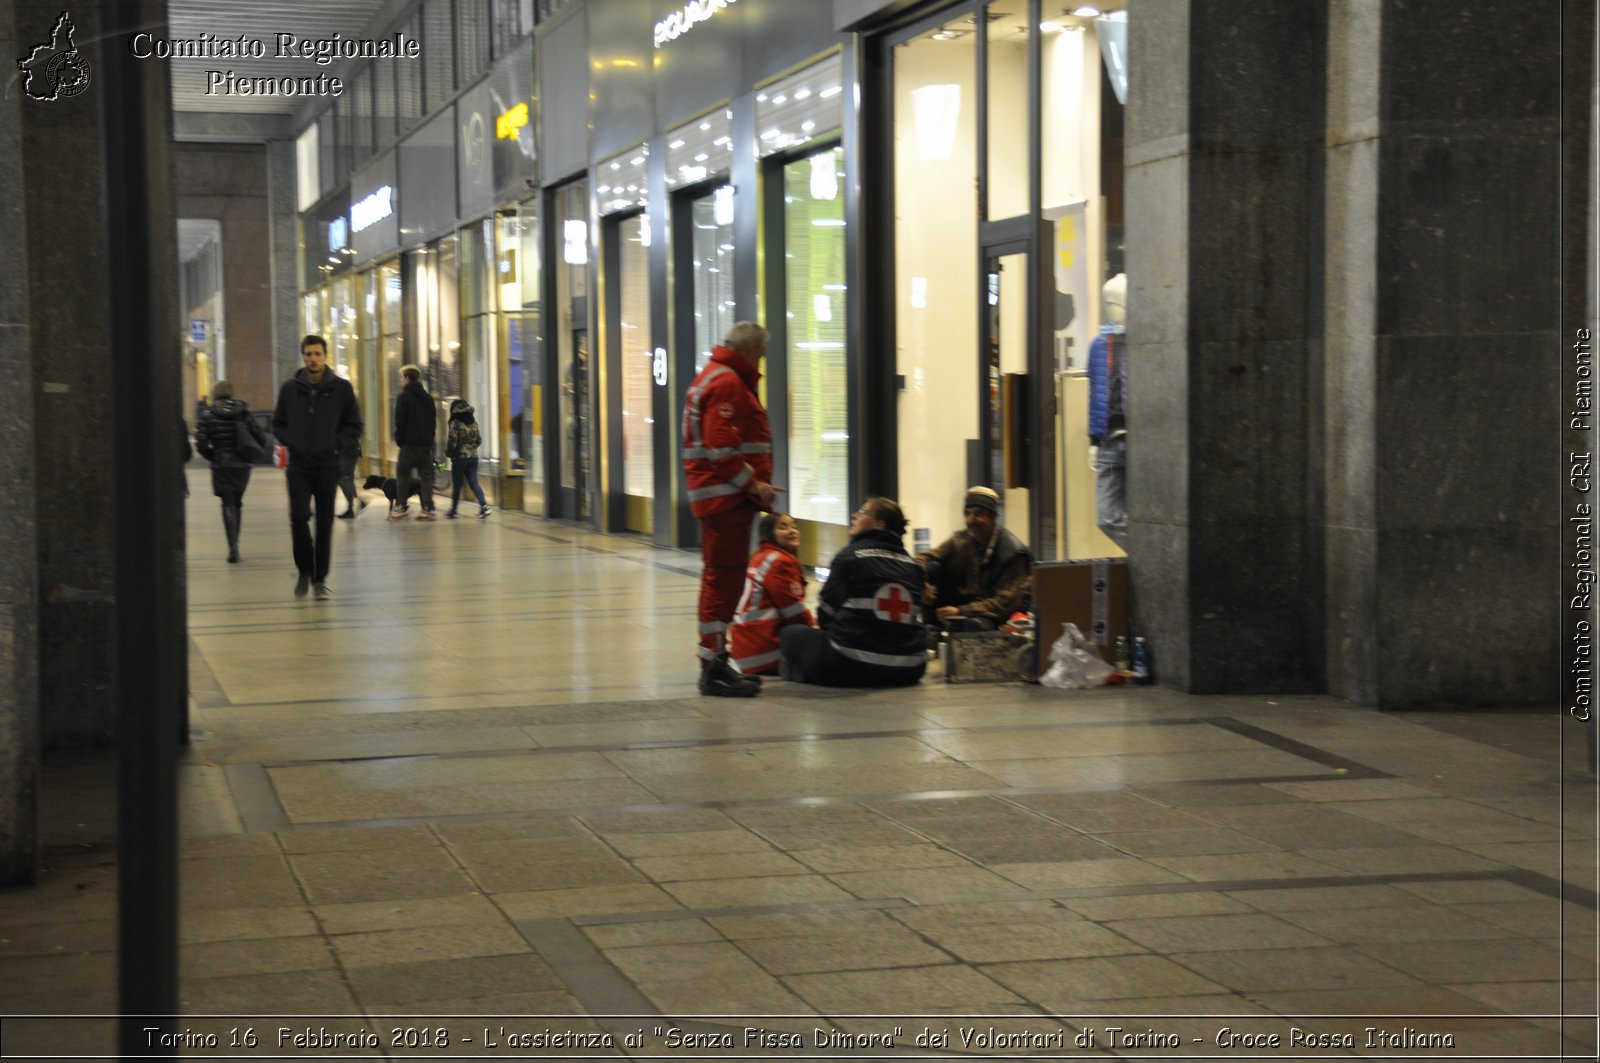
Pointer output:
x,y
727,460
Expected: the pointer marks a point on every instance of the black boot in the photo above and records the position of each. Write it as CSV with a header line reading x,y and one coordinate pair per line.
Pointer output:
x,y
230,524
722,681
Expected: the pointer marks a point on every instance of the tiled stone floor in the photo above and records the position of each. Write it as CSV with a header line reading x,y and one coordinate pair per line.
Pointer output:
x,y
479,781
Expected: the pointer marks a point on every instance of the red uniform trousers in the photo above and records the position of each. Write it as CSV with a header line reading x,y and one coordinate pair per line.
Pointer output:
x,y
726,542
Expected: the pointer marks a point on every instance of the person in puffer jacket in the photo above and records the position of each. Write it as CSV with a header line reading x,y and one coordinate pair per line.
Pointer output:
x,y
774,597
871,634
461,446
217,436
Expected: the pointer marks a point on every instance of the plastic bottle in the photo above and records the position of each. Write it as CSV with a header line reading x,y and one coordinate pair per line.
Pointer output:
x,y
1143,674
1120,655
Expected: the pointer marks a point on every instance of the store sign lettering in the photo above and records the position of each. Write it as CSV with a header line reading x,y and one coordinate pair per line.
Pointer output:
x,y
373,209
508,125
678,23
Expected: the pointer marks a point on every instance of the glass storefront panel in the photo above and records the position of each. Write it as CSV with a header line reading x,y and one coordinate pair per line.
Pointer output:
x,y
1008,108
698,149
1081,198
344,333
393,347
816,297
633,276
711,219
445,344
1006,326
341,333
481,376
313,317
517,276
367,388
801,107
433,321
573,347
936,272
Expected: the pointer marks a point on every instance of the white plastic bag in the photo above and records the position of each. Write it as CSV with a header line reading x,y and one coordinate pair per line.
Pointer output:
x,y
1075,662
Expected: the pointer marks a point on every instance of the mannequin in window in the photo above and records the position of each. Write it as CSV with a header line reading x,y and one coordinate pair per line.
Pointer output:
x,y
1108,412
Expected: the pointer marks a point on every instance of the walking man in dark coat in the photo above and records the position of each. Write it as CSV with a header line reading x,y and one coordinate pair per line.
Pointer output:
x,y
316,418
414,424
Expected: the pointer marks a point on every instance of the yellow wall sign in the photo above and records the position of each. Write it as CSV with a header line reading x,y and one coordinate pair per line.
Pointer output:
x,y
508,125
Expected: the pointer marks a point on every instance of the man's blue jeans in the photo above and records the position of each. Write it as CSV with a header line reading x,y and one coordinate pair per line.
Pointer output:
x,y
1111,489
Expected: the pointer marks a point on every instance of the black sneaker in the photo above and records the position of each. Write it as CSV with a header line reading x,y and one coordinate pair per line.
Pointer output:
x,y
302,585
349,514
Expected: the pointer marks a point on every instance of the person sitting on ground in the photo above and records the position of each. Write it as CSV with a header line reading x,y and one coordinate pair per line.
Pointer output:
x,y
870,634
773,598
981,575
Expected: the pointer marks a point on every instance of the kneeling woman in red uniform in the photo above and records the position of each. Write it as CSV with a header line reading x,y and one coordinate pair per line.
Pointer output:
x,y
773,598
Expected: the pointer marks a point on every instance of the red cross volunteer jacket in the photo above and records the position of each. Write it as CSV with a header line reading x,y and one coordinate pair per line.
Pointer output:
x,y
727,442
774,596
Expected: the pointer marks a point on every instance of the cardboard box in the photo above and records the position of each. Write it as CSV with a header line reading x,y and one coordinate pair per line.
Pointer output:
x,y
1090,594
984,657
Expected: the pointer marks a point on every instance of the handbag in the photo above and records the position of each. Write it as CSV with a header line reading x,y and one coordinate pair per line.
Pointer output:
x,y
245,446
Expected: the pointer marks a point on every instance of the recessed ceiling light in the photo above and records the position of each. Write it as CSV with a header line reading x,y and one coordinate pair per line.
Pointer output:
x,y
1087,11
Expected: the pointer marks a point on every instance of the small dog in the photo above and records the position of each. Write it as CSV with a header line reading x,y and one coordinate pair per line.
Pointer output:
x,y
387,486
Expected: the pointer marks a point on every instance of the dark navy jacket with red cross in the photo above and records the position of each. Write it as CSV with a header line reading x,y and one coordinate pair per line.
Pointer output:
x,y
868,607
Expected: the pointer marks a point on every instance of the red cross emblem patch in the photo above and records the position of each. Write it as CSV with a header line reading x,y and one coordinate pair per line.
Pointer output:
x,y
893,603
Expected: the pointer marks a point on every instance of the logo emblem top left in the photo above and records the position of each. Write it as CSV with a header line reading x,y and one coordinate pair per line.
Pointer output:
x,y
56,69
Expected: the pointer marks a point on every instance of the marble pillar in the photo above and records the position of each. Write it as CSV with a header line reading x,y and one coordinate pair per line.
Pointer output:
x,y
71,447
283,221
1442,374
19,543
1224,239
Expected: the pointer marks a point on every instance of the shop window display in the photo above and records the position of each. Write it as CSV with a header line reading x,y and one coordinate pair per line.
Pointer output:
x,y
638,450
480,377
816,299
572,345
517,280
711,219
936,270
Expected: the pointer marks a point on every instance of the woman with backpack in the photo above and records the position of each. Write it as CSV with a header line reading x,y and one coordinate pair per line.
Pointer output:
x,y
461,447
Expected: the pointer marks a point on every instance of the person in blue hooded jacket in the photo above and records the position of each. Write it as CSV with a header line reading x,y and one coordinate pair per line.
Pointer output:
x,y
1108,413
